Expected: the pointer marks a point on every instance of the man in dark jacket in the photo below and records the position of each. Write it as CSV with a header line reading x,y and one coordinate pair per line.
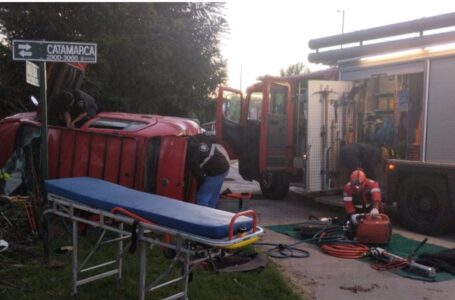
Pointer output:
x,y
209,165
74,107
364,156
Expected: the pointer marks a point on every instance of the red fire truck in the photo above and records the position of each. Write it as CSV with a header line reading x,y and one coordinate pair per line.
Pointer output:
x,y
290,130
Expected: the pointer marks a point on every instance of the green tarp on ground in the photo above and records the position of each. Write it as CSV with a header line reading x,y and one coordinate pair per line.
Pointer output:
x,y
399,245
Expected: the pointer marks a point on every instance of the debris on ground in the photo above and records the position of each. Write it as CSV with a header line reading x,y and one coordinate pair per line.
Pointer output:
x,y
359,289
19,228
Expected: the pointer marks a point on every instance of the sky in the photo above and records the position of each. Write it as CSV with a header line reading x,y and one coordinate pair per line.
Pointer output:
x,y
266,36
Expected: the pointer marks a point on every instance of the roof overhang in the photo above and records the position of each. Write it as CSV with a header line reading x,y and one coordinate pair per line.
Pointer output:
x,y
420,38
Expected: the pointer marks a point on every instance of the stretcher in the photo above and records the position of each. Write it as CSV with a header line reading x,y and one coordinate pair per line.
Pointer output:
x,y
191,232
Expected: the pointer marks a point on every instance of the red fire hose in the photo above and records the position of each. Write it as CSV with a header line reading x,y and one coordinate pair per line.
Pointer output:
x,y
345,250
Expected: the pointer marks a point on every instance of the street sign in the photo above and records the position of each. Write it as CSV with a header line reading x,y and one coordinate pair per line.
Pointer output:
x,y
45,51
31,73
54,51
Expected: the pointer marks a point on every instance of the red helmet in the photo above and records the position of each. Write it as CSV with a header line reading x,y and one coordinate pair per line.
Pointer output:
x,y
358,179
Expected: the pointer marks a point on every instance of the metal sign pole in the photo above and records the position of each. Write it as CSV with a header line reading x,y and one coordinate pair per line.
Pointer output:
x,y
44,154
43,119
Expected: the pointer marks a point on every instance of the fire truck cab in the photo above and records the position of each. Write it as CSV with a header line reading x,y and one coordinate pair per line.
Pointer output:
x,y
267,130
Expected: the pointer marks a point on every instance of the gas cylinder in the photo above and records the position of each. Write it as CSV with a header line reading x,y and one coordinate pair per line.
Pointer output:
x,y
374,229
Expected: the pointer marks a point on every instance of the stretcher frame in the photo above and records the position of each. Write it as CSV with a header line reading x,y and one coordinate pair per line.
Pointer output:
x,y
190,249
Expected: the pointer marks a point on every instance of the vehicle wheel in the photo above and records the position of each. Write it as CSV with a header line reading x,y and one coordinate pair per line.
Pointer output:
x,y
274,185
424,205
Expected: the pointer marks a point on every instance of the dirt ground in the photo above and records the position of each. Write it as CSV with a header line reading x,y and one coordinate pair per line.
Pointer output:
x,y
321,276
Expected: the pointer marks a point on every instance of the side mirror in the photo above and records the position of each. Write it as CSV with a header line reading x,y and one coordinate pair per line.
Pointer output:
x,y
34,100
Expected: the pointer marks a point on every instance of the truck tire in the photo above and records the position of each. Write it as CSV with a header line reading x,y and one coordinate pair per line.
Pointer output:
x,y
274,185
424,206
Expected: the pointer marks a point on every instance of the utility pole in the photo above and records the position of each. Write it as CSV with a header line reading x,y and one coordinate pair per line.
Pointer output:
x,y
342,22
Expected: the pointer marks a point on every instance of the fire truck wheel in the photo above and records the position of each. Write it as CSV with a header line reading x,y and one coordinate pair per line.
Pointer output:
x,y
274,185
424,206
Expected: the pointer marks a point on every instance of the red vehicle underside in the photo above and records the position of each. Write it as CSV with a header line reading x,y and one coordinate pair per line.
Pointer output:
x,y
144,152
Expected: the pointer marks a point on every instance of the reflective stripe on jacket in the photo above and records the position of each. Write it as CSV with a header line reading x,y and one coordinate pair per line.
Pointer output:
x,y
369,195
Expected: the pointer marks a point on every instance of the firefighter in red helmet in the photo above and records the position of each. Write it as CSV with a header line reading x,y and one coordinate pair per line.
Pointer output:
x,y
361,195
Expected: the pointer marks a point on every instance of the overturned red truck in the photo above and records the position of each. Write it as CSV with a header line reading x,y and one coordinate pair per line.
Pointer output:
x,y
289,131
144,152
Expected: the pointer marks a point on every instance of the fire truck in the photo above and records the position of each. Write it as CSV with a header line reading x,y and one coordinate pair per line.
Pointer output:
x,y
144,152
397,94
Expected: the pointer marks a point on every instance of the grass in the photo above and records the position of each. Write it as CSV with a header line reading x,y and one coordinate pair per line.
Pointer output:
x,y
28,278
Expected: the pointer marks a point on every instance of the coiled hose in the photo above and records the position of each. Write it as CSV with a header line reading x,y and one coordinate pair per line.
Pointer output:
x,y
332,241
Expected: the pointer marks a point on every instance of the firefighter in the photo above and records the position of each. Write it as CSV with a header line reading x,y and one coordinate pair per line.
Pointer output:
x,y
209,165
361,195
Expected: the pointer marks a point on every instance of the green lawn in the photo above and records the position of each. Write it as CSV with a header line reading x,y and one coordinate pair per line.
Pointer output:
x,y
27,278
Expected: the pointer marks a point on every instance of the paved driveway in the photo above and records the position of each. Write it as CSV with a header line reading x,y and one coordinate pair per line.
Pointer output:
x,y
324,277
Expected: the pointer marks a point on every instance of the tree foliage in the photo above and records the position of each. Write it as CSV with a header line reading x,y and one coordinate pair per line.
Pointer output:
x,y
295,69
161,58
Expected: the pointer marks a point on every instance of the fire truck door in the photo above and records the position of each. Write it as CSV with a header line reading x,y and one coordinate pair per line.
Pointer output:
x,y
227,122
277,128
325,101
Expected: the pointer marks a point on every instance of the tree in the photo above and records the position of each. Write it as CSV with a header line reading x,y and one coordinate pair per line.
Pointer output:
x,y
161,58
295,69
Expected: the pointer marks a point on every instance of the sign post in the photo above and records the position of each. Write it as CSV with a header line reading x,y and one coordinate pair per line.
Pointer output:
x,y
43,117
46,51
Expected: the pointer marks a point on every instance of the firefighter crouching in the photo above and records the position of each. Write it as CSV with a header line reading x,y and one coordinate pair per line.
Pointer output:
x,y
361,195
362,202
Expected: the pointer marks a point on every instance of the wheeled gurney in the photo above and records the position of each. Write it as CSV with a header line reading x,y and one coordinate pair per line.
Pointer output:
x,y
195,233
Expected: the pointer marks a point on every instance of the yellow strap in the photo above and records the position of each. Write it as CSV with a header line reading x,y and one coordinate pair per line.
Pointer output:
x,y
242,243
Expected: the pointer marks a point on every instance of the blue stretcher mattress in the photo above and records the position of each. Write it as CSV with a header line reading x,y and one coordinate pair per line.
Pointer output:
x,y
168,212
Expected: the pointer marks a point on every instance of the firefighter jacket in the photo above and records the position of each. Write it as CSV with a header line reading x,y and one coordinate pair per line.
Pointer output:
x,y
364,200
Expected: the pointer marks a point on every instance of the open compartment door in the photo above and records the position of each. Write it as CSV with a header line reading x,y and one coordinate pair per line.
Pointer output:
x,y
326,128
227,122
